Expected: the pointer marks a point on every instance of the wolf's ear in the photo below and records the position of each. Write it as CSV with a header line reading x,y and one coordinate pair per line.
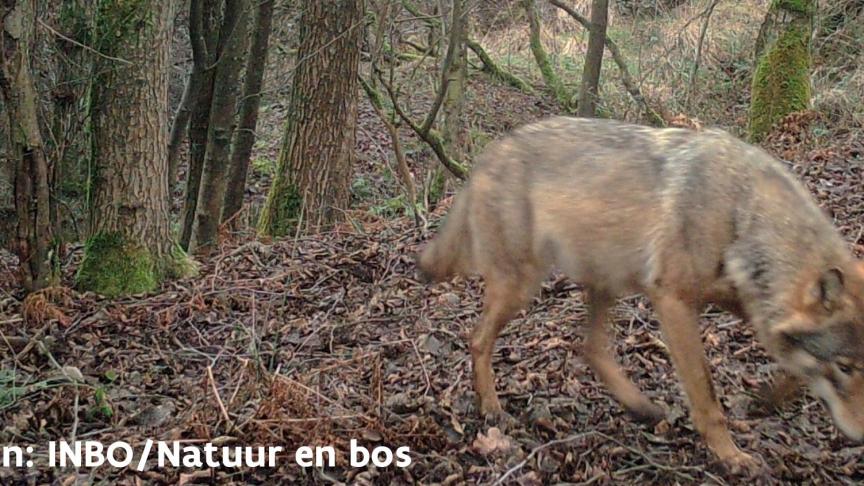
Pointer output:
x,y
828,290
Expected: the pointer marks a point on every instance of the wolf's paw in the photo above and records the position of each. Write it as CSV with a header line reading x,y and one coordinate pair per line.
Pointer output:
x,y
488,406
501,419
647,412
743,464
495,416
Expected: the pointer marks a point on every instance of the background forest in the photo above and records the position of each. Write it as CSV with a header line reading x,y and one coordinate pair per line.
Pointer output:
x,y
209,211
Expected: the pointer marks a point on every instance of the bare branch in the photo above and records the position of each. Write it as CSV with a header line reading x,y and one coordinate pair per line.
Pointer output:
x,y
429,136
626,78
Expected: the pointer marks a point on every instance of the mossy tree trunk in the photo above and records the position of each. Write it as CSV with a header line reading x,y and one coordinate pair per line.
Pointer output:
x,y
589,95
311,188
496,71
550,77
130,248
456,70
34,233
781,81
244,137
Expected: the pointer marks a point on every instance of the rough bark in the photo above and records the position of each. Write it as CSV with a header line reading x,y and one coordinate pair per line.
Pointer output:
x,y
781,81
130,248
204,37
311,188
34,232
244,137
588,95
233,41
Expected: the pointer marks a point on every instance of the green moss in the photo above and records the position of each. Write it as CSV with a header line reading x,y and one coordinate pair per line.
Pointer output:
x,y
437,186
120,21
178,264
113,266
264,166
553,82
781,83
281,213
804,7
392,207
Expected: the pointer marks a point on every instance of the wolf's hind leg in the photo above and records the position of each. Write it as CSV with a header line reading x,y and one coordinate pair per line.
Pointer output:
x,y
607,369
506,295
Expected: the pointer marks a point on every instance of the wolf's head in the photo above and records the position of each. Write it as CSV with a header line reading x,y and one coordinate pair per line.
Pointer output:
x,y
822,341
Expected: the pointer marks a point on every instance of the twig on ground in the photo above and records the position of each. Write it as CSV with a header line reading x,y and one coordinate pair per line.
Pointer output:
x,y
539,448
218,398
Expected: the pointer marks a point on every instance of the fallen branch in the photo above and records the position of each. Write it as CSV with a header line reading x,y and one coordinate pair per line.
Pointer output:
x,y
626,78
497,71
221,405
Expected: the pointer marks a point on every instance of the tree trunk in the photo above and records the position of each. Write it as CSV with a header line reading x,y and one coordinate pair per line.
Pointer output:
x,y
204,37
130,248
34,235
244,138
180,126
311,188
553,82
456,81
232,47
588,96
627,80
781,81
7,189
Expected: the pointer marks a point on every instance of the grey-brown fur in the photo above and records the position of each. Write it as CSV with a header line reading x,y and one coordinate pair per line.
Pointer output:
x,y
685,217
732,207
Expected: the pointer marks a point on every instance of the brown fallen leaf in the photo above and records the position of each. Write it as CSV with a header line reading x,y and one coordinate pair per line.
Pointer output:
x,y
494,441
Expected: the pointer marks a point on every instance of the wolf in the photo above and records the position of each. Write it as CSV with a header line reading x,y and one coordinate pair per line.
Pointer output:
x,y
687,218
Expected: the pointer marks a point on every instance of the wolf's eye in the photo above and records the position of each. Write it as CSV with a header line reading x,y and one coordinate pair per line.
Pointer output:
x,y
845,368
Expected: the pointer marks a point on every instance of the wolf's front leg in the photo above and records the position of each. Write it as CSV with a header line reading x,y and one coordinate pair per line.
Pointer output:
x,y
679,321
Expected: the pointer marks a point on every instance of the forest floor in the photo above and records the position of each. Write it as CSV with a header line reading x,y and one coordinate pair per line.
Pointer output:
x,y
323,339
319,340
